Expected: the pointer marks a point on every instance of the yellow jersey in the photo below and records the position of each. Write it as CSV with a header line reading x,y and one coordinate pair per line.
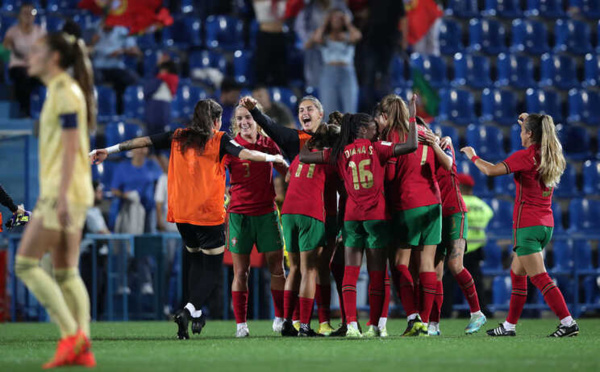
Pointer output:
x,y
65,107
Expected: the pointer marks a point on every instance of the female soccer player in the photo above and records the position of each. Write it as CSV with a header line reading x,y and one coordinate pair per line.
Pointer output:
x,y
253,219
67,116
416,212
454,234
196,189
310,115
537,170
361,162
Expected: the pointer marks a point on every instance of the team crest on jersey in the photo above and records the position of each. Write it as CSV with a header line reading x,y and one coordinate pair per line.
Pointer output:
x,y
234,241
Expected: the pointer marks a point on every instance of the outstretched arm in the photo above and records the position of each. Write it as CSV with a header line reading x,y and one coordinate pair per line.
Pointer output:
x,y
258,156
485,167
162,140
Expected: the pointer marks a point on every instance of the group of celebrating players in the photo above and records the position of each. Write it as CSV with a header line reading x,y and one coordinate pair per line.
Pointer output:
x,y
385,184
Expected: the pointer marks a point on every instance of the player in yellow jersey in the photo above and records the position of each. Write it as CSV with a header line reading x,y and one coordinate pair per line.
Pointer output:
x,y
66,193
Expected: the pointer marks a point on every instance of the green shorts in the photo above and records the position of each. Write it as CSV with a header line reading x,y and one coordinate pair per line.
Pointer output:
x,y
418,226
331,227
530,240
302,233
246,231
454,227
373,234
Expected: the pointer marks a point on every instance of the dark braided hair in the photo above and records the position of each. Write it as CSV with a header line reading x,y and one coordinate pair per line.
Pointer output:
x,y
351,123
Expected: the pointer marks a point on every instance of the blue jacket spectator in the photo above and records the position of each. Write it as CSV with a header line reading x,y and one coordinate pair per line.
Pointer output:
x,y
159,93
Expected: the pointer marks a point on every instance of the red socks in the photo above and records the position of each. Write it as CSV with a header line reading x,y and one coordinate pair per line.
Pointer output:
x,y
467,285
552,294
290,299
306,307
404,286
323,300
376,296
240,305
386,295
436,310
349,292
518,297
338,275
429,284
277,302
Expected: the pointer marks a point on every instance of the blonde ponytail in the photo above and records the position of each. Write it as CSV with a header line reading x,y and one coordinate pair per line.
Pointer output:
x,y
397,115
552,162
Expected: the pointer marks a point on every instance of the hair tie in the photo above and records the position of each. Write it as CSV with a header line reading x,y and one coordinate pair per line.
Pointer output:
x,y
70,39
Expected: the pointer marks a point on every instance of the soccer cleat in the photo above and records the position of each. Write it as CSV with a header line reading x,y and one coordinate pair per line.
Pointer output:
x,y
325,329
372,332
242,332
434,330
565,331
475,324
415,327
296,325
308,332
383,333
340,332
288,329
182,318
277,325
198,324
353,332
86,359
68,349
500,331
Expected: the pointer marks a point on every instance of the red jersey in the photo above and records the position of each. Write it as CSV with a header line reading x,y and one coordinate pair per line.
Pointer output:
x,y
452,200
414,183
533,203
306,191
362,167
252,191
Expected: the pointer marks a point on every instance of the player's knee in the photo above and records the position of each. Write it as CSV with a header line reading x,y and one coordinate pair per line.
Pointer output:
x,y
65,275
455,266
242,274
24,265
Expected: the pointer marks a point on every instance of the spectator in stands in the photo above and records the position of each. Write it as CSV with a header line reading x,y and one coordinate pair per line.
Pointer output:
x,y
336,39
380,41
424,21
133,186
19,39
277,111
110,45
229,98
159,93
271,46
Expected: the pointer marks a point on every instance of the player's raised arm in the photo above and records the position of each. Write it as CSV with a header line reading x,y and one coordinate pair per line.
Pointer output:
x,y
485,167
443,157
411,143
97,156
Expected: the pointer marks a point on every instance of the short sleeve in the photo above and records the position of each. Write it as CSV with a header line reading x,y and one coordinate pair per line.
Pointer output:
x,y
385,150
519,161
162,141
230,146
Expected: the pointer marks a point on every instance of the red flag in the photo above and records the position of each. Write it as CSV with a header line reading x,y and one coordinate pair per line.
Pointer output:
x,y
292,8
136,15
421,15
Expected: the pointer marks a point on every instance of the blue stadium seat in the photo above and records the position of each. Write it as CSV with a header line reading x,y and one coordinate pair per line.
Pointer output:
x,y
501,290
449,131
200,61
285,96
487,140
529,36
187,6
184,32
591,70
146,41
481,181
583,256
562,255
575,141
457,106
224,32
515,138
499,105
558,219
572,36
584,215
54,23
243,67
185,100
505,186
545,8
85,20
492,262
471,70
568,184
104,172
37,97
61,5
133,102
487,36
590,9
15,5
515,71
462,8
545,102
558,71
584,107
433,68
150,62
107,103
398,73
451,41
591,178
502,221
503,8
118,132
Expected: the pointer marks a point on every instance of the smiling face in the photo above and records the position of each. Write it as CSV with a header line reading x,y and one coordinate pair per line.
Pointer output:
x,y
309,115
246,124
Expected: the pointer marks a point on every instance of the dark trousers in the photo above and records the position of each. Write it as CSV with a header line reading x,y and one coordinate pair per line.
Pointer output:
x,y
271,58
374,67
120,79
23,85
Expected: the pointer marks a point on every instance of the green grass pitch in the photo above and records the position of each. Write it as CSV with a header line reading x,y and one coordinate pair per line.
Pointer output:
x,y
151,346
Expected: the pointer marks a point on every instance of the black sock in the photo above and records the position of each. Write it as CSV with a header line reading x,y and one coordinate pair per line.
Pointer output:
x,y
204,275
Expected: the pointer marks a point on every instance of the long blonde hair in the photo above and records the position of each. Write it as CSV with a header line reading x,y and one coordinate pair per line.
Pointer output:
x,y
235,126
552,162
397,115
